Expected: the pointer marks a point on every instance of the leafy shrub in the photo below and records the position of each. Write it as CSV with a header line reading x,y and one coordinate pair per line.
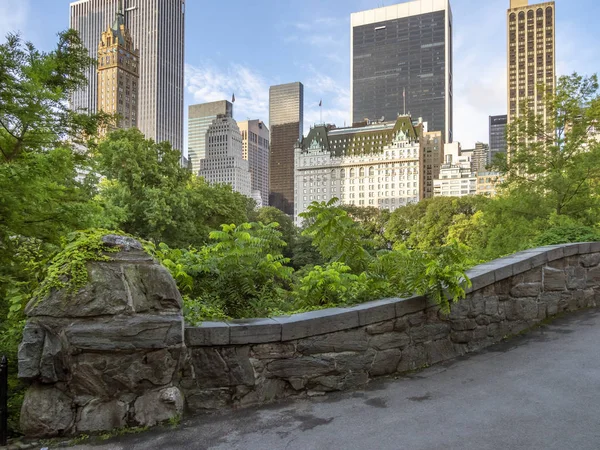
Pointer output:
x,y
566,234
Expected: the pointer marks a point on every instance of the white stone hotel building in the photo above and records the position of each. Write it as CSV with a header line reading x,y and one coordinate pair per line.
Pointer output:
x,y
378,165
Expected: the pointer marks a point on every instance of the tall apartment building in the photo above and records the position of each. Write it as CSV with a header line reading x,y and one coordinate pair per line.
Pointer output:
x,y
223,162
200,118
497,135
157,28
401,63
377,165
286,122
531,55
118,73
480,158
433,158
457,178
255,149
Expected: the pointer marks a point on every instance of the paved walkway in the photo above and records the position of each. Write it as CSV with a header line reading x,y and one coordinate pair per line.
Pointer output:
x,y
540,391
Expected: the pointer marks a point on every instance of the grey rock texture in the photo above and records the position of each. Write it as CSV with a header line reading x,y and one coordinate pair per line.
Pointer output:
x,y
115,353
340,349
92,355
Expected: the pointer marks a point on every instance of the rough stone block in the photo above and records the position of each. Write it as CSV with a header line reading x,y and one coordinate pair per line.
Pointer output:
x,y
440,350
571,249
554,279
221,367
102,415
342,341
387,341
576,278
342,382
522,309
254,331
30,351
315,323
273,350
307,366
414,357
377,311
202,400
352,361
461,309
480,278
158,406
461,337
491,306
584,247
127,333
526,290
595,247
108,375
207,334
380,328
464,324
555,252
385,362
429,332
410,305
591,260
46,412
416,319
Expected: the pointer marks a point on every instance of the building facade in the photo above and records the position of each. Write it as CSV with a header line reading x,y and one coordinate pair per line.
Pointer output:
x,y
223,162
255,149
376,165
118,73
200,118
457,178
433,158
531,56
401,63
157,29
286,122
497,135
487,183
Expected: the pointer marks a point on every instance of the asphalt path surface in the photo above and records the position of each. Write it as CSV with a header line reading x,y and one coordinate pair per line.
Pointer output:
x,y
537,391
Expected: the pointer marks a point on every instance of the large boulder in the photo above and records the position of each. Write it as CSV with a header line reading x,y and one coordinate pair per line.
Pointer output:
x,y
108,354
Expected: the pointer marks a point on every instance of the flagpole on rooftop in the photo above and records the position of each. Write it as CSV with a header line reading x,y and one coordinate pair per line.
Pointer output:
x,y
321,108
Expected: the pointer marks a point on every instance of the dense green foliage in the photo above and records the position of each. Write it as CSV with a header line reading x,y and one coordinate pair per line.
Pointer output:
x,y
58,176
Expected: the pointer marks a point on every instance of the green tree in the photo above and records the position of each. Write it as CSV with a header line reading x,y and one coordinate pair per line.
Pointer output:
x,y
373,220
147,193
43,197
425,225
557,161
285,225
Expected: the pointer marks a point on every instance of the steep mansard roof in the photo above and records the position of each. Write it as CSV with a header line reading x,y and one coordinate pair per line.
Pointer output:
x,y
359,140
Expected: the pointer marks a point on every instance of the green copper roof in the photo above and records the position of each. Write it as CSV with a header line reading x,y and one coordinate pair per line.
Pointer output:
x,y
359,140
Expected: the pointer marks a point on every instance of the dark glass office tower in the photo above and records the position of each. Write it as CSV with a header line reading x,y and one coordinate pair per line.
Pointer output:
x,y
402,60
497,135
286,117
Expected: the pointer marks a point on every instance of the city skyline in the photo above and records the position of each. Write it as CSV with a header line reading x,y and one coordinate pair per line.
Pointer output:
x,y
158,31
311,44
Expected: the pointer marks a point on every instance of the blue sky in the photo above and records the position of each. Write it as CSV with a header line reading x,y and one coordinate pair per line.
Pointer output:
x,y
245,46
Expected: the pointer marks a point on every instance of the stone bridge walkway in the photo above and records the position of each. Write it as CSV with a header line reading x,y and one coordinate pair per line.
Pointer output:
x,y
539,391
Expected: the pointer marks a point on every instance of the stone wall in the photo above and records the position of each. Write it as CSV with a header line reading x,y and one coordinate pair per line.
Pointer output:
x,y
252,362
115,354
108,355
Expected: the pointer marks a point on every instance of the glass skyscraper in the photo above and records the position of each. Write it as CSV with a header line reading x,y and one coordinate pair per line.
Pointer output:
x,y
401,62
497,135
286,121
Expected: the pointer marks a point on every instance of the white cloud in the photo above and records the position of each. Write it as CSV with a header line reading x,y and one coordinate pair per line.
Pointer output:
x,y
335,96
208,83
13,16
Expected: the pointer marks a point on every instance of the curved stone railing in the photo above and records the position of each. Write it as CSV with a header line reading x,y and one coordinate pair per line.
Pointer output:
x,y
248,362
115,353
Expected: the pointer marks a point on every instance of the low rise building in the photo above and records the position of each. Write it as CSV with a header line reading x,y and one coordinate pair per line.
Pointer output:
x,y
376,164
487,183
456,178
